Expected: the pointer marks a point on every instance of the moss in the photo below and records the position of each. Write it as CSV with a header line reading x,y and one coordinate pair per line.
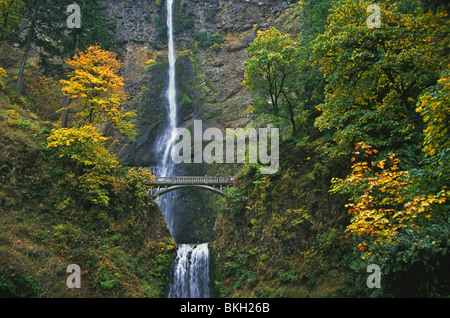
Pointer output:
x,y
124,249
282,235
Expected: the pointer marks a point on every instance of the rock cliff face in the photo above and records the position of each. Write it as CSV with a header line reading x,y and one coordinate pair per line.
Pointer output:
x,y
138,22
211,38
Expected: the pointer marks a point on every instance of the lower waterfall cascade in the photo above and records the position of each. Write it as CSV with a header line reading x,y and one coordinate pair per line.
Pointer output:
x,y
191,272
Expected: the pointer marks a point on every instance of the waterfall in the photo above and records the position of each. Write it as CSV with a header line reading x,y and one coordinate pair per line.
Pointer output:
x,y
191,272
191,267
165,144
171,90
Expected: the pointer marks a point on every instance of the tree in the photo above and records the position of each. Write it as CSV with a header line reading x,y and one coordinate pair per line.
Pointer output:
x,y
382,202
94,164
375,76
45,98
433,106
97,89
45,30
398,224
10,11
95,30
312,15
271,73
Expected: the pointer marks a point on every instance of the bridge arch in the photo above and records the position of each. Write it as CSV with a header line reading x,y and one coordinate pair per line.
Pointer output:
x,y
168,184
163,191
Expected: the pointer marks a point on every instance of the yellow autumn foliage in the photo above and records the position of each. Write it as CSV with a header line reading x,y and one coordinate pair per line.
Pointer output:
x,y
2,76
380,203
97,89
85,147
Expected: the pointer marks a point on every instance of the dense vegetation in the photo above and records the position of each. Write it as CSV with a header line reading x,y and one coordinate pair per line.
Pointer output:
x,y
65,197
368,111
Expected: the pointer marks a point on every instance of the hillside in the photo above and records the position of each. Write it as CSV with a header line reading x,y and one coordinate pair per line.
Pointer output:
x,y
46,223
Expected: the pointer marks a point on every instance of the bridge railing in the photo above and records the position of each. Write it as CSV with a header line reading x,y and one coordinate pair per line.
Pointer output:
x,y
173,180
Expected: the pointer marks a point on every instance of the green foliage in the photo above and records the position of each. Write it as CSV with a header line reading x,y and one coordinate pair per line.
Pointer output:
x,y
208,40
22,286
282,245
188,24
374,76
10,14
238,266
313,14
161,25
417,266
433,107
237,200
183,18
49,18
271,73
66,199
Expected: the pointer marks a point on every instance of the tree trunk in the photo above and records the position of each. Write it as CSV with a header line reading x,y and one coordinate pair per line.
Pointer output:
x,y
22,68
65,112
291,111
66,101
32,20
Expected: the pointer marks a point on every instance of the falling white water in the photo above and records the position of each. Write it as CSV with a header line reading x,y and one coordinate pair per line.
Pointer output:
x,y
172,90
191,272
166,167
